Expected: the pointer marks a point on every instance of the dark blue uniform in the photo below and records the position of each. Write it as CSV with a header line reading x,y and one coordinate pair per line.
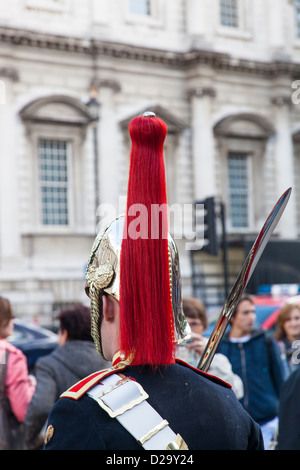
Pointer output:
x,y
204,411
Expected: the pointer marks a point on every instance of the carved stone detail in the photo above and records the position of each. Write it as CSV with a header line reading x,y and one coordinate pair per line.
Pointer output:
x,y
106,83
200,92
9,72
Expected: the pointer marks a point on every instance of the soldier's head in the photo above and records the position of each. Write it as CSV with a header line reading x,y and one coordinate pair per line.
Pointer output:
x,y
133,274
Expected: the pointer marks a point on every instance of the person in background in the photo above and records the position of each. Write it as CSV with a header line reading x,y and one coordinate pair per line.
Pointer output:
x,y
289,412
255,357
75,358
17,386
288,331
191,352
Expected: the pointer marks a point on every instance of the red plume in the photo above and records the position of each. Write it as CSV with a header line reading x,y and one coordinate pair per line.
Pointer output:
x,y
146,320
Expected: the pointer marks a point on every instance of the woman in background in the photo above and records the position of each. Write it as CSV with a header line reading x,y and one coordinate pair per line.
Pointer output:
x,y
16,386
288,331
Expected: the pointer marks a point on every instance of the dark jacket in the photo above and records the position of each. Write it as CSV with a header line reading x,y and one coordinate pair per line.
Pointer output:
x,y
205,413
289,413
55,373
260,367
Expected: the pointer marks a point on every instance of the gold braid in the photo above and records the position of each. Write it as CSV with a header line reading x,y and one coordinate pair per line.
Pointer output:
x,y
94,288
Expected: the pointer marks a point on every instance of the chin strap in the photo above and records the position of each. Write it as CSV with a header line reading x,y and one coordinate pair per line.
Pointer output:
x,y
124,399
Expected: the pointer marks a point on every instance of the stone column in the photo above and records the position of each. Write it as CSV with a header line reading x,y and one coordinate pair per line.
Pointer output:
x,y
276,24
284,164
195,17
10,233
108,134
203,153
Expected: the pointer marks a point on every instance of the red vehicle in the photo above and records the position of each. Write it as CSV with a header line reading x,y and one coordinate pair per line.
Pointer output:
x,y
267,308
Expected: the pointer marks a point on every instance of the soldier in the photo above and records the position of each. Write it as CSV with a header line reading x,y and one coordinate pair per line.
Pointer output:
x,y
146,399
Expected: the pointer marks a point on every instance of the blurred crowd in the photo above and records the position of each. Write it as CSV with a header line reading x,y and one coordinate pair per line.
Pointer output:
x,y
261,366
26,400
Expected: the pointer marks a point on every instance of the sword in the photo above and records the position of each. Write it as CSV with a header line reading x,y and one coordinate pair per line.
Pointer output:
x,y
242,281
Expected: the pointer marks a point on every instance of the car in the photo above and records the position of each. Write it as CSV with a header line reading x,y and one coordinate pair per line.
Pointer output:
x,y
267,309
270,322
34,341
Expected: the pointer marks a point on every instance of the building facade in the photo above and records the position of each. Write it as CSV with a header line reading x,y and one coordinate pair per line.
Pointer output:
x,y
223,74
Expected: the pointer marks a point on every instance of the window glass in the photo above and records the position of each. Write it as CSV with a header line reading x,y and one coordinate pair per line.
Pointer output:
x,y
229,13
297,16
238,176
140,7
54,181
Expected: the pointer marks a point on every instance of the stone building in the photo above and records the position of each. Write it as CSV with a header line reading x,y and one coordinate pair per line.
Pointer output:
x,y
223,74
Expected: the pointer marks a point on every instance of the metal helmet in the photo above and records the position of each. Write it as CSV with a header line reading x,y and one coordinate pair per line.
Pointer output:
x,y
103,274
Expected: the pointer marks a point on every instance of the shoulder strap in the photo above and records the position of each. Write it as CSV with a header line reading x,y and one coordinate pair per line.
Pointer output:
x,y
149,432
124,399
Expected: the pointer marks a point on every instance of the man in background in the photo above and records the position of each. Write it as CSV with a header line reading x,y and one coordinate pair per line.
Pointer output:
x,y
73,359
255,357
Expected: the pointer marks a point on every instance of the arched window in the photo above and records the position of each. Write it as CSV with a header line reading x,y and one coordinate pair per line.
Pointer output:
x,y
241,143
56,129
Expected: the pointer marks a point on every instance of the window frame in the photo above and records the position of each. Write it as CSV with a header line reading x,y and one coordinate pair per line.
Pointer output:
x,y
154,20
150,5
252,134
296,23
249,193
238,6
244,30
58,117
65,133
255,148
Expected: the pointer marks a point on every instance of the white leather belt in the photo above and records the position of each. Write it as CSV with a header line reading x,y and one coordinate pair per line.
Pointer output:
x,y
125,400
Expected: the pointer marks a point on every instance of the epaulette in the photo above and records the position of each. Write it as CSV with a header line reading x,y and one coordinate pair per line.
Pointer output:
x,y
213,378
83,386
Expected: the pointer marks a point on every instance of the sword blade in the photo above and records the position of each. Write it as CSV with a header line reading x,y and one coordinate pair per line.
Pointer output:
x,y
242,280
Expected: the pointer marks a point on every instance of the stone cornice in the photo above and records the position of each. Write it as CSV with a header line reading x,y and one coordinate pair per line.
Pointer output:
x,y
23,37
185,60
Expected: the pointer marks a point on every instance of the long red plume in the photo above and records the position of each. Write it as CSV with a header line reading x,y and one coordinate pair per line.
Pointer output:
x,y
146,320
